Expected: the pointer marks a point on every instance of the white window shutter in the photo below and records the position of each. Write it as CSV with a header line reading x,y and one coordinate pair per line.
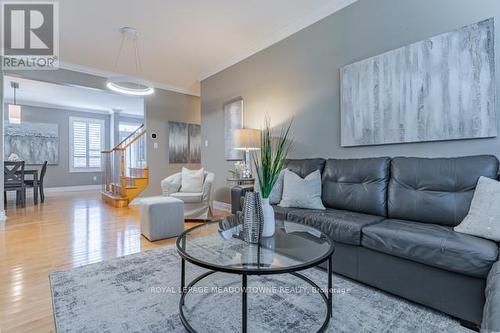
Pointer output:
x,y
95,145
87,140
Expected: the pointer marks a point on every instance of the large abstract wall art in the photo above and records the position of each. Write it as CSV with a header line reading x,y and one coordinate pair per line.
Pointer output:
x,y
441,88
34,143
184,142
233,120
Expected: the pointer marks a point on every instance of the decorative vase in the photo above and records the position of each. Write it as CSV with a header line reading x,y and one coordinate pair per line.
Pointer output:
x,y
269,221
253,219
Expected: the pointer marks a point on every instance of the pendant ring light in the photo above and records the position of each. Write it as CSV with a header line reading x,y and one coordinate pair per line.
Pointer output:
x,y
126,84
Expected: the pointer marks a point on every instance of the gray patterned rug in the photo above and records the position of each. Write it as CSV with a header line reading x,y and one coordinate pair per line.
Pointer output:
x,y
139,293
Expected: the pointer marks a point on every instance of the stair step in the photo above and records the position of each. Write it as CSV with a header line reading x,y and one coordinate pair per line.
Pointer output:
x,y
114,200
132,178
113,195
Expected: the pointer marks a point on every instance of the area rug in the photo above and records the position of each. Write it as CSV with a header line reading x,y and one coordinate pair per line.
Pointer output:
x,y
139,293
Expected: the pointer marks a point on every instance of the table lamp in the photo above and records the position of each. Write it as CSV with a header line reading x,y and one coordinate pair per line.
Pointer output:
x,y
247,139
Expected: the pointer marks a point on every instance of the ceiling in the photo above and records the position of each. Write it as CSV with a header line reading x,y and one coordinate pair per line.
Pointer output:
x,y
45,94
181,42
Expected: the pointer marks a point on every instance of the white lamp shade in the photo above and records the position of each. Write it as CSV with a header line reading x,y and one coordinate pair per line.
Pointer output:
x,y
247,139
14,114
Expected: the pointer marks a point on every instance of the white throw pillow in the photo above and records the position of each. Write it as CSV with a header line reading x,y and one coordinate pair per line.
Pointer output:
x,y
483,219
302,192
192,180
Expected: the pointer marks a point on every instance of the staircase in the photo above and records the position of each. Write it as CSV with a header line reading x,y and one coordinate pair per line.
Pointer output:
x,y
125,171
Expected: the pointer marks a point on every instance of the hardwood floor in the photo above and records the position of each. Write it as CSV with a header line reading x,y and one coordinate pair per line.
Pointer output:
x,y
70,229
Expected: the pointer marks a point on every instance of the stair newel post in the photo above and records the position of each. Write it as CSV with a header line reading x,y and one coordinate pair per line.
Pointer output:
x,y
106,181
123,179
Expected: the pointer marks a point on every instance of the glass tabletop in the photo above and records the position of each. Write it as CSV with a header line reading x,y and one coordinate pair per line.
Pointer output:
x,y
219,246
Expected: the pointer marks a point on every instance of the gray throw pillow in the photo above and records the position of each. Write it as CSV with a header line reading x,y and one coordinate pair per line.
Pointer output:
x,y
277,190
483,219
302,192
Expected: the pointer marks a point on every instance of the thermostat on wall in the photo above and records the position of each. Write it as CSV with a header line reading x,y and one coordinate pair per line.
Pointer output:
x,y
153,135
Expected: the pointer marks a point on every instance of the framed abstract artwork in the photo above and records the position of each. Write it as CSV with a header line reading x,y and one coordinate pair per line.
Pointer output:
x,y
184,143
178,142
441,88
233,120
34,143
194,131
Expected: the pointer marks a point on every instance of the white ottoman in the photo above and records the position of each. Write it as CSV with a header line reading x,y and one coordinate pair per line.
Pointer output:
x,y
161,217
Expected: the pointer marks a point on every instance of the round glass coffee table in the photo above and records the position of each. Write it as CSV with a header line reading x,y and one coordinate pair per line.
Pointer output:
x,y
218,247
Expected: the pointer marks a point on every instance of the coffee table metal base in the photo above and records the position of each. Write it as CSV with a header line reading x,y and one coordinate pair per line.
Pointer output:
x,y
327,297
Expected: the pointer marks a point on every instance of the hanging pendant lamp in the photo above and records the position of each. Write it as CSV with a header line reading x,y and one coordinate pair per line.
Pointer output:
x,y
126,84
14,109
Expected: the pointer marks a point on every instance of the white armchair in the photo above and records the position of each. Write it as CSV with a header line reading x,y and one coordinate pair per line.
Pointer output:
x,y
197,206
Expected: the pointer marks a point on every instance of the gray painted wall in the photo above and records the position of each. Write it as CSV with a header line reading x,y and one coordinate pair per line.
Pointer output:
x,y
59,175
161,108
299,78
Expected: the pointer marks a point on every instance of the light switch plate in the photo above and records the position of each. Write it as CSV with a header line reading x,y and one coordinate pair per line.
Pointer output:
x,y
155,145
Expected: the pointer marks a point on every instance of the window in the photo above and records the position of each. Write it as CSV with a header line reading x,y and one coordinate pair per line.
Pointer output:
x,y
127,128
136,154
86,141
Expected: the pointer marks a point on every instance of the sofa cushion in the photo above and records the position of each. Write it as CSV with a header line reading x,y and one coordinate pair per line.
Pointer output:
x,y
436,190
358,185
303,167
281,213
188,197
343,226
433,245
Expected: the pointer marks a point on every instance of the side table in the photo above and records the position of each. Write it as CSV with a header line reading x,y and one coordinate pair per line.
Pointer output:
x,y
238,191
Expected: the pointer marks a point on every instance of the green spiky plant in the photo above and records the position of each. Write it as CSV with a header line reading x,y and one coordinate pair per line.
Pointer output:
x,y
269,161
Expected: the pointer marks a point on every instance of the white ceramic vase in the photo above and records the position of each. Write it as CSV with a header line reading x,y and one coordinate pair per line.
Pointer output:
x,y
269,221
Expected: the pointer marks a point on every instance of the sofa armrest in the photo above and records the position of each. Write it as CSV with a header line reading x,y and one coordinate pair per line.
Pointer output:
x,y
208,187
171,184
238,197
491,311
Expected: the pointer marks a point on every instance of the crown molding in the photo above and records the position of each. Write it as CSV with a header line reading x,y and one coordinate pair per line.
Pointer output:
x,y
289,30
107,74
64,108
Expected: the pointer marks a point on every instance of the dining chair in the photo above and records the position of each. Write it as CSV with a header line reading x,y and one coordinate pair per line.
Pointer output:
x,y
38,185
40,181
14,181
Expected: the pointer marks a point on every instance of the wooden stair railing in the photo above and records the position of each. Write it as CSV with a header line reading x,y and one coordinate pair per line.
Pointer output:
x,y
125,174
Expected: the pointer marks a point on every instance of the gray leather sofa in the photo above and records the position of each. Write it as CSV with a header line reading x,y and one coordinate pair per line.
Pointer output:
x,y
392,222
491,313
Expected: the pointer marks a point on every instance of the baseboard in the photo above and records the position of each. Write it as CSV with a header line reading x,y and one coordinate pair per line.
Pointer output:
x,y
223,206
73,188
3,217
